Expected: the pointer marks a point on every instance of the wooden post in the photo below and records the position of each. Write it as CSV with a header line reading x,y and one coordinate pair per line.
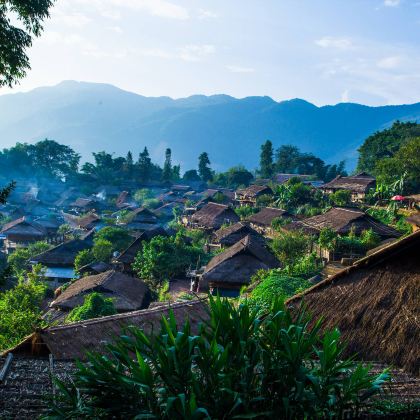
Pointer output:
x,y
6,367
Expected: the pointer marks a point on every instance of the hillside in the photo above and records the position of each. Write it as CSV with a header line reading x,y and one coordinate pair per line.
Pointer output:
x,y
91,117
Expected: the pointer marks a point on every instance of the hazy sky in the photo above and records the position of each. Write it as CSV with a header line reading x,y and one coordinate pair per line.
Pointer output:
x,y
325,51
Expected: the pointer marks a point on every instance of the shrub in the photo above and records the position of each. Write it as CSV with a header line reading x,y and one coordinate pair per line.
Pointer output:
x,y
94,306
238,366
340,197
245,211
119,237
19,260
290,246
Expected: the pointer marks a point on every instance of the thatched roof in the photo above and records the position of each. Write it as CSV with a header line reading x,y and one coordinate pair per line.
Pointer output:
x,y
143,215
62,255
414,219
214,215
129,293
23,227
266,215
239,262
342,220
71,341
85,222
95,268
128,256
234,233
375,304
254,191
83,203
360,183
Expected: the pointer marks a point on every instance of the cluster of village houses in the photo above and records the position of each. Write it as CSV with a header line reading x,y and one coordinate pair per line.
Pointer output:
x,y
38,213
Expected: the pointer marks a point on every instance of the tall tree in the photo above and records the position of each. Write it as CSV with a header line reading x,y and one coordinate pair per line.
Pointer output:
x,y
287,157
167,166
144,165
204,167
266,160
15,40
129,165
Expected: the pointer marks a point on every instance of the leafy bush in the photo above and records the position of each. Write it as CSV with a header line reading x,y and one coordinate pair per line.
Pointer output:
x,y
245,211
403,227
94,306
119,237
340,197
278,222
275,286
20,311
83,258
238,366
305,267
19,260
290,246
102,250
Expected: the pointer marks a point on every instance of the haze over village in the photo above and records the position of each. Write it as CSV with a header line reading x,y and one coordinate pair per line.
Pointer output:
x,y
209,209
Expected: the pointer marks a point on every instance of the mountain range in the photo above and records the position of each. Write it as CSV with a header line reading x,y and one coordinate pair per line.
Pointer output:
x,y
92,117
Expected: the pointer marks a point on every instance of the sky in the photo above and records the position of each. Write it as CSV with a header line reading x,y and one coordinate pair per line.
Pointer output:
x,y
324,51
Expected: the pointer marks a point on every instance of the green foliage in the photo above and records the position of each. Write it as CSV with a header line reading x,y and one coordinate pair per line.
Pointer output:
x,y
102,250
245,211
119,237
204,170
15,40
19,259
305,267
163,295
290,246
275,286
327,238
403,227
83,258
264,200
238,366
278,222
142,194
94,306
167,166
191,175
266,160
151,203
5,192
20,311
340,197
381,214
234,178
370,239
164,258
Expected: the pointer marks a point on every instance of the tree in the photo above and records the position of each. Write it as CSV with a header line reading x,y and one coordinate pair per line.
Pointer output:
x,y
14,40
144,166
191,175
119,237
204,167
102,250
167,166
287,158
20,311
266,160
94,306
83,258
176,173
289,247
163,258
385,144
340,197
19,260
237,176
237,365
142,194
327,239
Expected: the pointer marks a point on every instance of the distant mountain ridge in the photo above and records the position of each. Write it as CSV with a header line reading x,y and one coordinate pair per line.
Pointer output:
x,y
92,117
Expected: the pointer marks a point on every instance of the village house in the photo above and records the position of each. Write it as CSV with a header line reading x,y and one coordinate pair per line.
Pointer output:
x,y
375,305
59,261
87,222
125,260
342,221
358,185
228,236
72,341
94,268
22,232
262,221
248,196
142,219
228,271
128,293
211,217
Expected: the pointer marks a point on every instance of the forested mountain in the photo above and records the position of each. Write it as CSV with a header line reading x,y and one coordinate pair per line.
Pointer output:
x,y
91,117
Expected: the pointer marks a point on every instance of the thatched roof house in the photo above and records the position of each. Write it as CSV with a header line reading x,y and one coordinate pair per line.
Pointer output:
x,y
142,219
127,257
88,222
232,234
129,293
228,271
71,341
341,220
375,304
94,268
262,220
358,185
22,232
84,204
249,195
213,216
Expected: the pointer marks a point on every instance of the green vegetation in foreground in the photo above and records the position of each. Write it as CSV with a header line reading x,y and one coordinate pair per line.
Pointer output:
x,y
179,373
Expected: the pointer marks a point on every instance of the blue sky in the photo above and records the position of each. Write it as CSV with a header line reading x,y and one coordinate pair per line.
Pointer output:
x,y
324,51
